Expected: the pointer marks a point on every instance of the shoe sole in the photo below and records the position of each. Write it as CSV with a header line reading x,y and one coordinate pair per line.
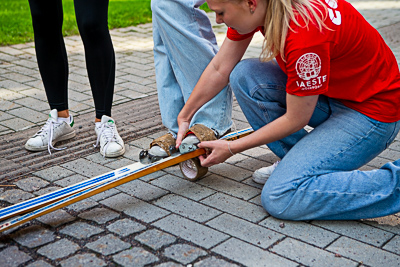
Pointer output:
x,y
43,148
259,180
114,155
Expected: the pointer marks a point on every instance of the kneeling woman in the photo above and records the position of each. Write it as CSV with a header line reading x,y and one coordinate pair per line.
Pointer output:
x,y
334,72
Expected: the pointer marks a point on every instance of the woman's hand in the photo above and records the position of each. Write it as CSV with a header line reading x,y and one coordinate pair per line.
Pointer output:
x,y
217,152
183,127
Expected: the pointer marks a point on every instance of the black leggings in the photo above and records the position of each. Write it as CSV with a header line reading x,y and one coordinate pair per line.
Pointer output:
x,y
92,20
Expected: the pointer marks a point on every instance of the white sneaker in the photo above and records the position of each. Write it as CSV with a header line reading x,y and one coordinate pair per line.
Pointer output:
x,y
111,144
55,130
260,176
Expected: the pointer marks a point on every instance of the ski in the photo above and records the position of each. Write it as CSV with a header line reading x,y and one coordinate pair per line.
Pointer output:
x,y
44,204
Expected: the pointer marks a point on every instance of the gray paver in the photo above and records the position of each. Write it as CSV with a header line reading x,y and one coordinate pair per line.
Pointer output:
x,y
59,249
250,255
82,205
86,168
155,238
81,230
53,173
70,180
236,207
135,257
184,253
169,264
357,230
15,195
230,187
213,261
56,218
125,227
142,190
99,215
244,230
134,207
39,263
12,256
108,244
301,230
33,236
191,231
230,171
393,245
83,260
362,252
182,187
187,208
31,184
309,255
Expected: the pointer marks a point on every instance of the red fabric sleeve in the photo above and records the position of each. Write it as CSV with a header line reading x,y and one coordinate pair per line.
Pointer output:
x,y
233,35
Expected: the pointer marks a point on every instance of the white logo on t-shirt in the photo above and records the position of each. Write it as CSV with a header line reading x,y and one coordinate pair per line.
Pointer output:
x,y
308,66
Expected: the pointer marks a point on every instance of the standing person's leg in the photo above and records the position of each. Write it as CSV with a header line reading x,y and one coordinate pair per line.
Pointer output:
x,y
184,44
47,19
92,19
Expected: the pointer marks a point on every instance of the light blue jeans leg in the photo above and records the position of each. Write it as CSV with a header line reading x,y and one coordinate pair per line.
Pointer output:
x,y
184,44
318,177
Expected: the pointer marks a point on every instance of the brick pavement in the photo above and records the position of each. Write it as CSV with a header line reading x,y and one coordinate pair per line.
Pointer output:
x,y
162,219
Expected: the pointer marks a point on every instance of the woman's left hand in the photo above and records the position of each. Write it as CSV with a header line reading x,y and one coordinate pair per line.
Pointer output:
x,y
217,152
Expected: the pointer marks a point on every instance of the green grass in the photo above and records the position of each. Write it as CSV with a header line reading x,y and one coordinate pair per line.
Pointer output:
x,y
16,23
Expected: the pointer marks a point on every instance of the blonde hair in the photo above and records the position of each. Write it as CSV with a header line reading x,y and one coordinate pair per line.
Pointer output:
x,y
278,16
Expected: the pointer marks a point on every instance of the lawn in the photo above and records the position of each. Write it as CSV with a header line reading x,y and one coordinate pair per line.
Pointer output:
x,y
16,24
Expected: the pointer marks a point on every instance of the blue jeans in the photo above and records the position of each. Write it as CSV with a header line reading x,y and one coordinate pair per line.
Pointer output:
x,y
184,44
317,177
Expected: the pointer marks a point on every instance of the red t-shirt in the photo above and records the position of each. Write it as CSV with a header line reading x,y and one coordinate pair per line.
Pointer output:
x,y
349,62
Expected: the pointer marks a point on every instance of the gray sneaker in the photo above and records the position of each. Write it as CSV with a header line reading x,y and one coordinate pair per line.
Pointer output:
x,y
261,176
111,144
53,131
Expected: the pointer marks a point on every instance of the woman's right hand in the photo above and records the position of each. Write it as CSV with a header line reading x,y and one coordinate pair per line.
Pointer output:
x,y
183,127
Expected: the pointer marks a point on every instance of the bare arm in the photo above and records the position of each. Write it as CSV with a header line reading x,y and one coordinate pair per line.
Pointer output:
x,y
214,78
299,112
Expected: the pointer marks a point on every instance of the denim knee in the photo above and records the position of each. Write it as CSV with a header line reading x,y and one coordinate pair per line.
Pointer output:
x,y
239,76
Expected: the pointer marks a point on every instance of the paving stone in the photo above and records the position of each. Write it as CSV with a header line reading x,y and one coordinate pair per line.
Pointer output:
x,y
83,260
86,168
134,207
183,187
357,230
59,249
230,187
106,194
135,257
39,263
125,227
191,231
12,256
108,245
33,236
302,231
361,252
81,230
82,205
309,255
187,208
239,251
56,218
155,238
213,261
184,253
14,196
31,184
46,190
244,230
99,215
393,245
70,180
53,173
231,171
235,206
142,190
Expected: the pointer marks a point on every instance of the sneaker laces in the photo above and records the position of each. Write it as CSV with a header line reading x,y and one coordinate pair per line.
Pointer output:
x,y
49,130
108,130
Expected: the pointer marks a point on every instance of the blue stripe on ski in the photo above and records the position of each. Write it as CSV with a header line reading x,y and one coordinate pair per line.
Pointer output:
x,y
9,210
